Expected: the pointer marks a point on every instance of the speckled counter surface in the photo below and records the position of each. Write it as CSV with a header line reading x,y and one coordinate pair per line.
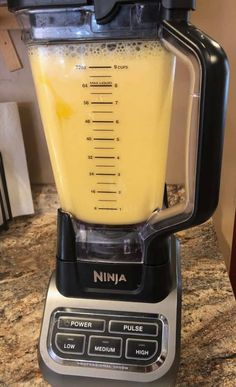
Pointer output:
x,y
208,356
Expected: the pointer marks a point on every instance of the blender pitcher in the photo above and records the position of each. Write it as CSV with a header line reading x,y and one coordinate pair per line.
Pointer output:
x,y
105,77
95,109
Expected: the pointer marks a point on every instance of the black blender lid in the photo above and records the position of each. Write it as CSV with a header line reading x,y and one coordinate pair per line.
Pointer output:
x,y
104,9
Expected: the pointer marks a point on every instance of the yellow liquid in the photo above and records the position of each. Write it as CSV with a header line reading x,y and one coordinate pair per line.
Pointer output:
x,y
106,111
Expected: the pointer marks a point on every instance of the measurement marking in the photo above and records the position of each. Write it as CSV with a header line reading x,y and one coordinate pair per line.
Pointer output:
x,y
101,103
103,122
105,166
104,157
105,174
100,85
105,200
103,139
106,183
100,76
102,111
103,130
105,192
108,208
102,147
100,67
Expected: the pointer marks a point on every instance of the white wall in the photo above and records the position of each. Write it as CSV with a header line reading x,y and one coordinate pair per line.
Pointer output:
x,y
18,86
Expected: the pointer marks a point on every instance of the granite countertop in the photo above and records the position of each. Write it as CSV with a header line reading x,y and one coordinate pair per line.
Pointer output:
x,y
27,249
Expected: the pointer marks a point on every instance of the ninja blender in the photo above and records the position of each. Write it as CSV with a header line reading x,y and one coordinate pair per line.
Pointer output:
x,y
104,73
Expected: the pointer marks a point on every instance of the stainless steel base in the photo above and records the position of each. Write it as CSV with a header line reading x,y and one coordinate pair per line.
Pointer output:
x,y
162,374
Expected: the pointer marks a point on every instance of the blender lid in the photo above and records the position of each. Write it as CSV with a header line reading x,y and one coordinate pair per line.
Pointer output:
x,y
104,10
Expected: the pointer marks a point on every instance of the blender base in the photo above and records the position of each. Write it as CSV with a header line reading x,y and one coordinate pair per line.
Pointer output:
x,y
92,342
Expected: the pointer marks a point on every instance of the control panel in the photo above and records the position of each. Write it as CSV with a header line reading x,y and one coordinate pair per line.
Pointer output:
x,y
131,342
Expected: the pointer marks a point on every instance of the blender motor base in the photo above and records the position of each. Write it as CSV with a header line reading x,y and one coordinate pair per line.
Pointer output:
x,y
99,342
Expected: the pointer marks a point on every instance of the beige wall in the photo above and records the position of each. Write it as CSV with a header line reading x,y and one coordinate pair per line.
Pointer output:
x,y
218,19
18,86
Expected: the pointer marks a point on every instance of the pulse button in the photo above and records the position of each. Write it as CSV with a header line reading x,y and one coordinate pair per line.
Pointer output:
x,y
133,328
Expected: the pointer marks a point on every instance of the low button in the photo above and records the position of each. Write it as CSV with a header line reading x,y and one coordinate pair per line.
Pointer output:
x,y
133,328
81,324
140,349
67,343
105,346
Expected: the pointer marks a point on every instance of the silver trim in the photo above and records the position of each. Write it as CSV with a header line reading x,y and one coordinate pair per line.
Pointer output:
x,y
70,352
139,358
105,337
131,333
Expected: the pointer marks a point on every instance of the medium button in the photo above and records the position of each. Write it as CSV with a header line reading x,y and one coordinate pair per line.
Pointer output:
x,y
133,328
67,343
140,349
105,346
81,324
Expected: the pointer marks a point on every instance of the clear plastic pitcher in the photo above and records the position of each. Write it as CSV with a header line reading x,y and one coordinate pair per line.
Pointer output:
x,y
106,111
105,91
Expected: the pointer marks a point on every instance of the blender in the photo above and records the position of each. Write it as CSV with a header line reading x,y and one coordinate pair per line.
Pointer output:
x,y
104,73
